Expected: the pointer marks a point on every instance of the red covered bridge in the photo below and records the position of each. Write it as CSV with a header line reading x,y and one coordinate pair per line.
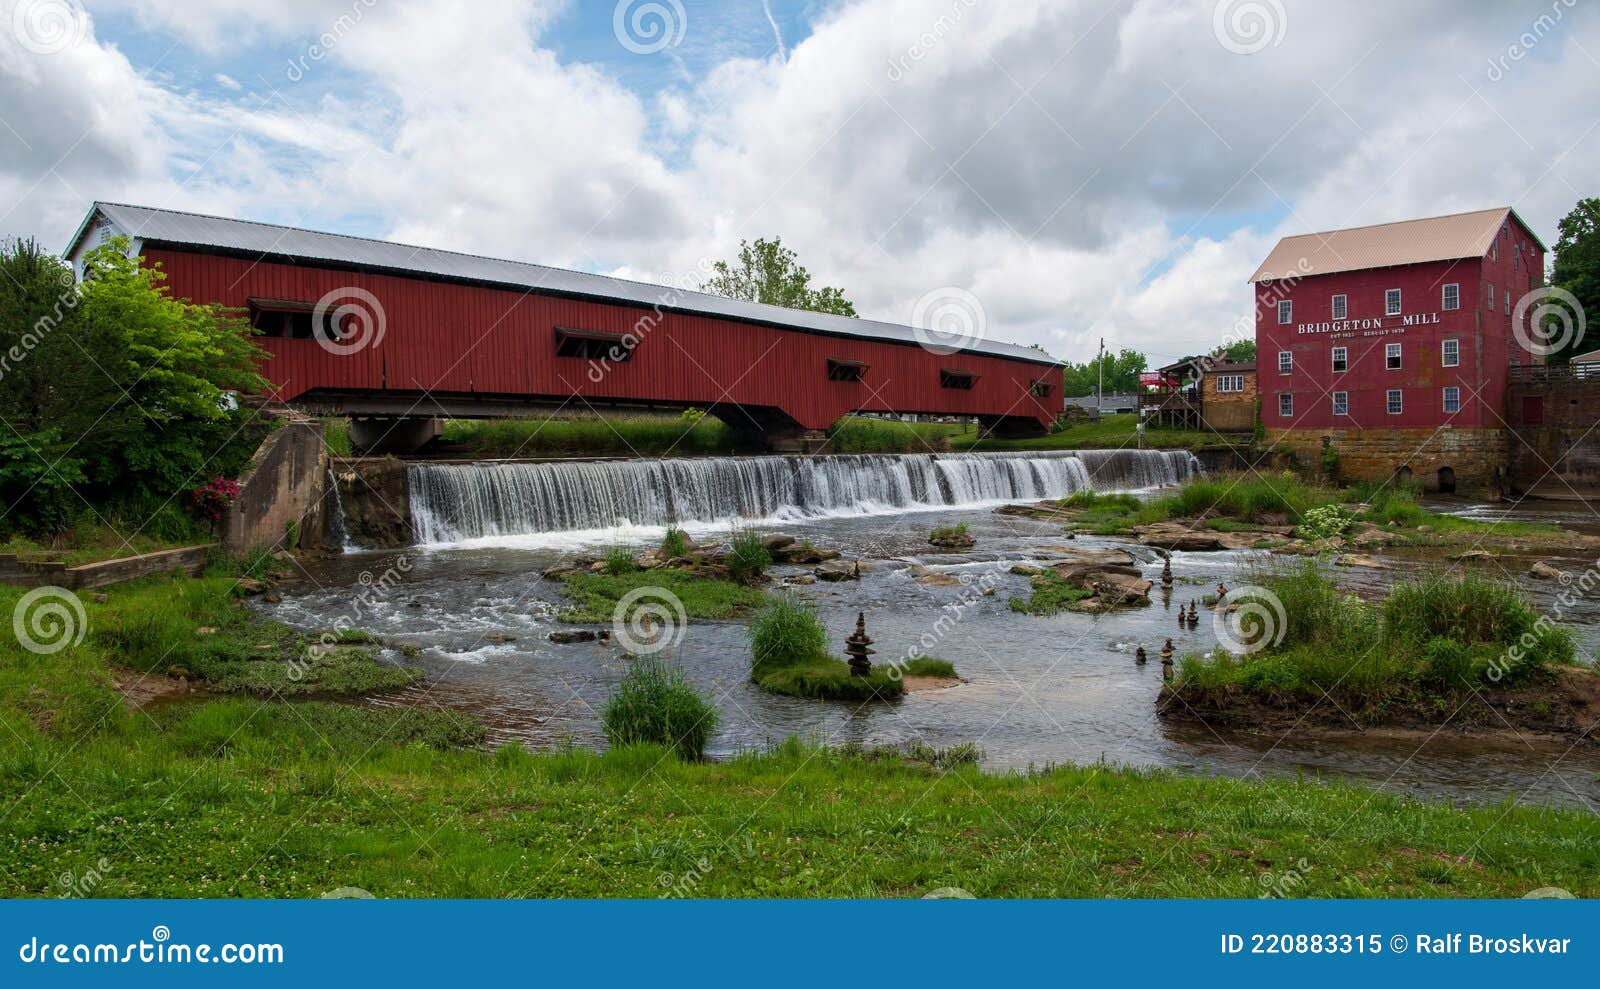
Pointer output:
x,y
384,332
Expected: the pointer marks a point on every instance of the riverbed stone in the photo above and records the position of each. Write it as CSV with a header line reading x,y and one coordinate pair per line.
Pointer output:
x,y
938,580
839,570
570,635
1545,571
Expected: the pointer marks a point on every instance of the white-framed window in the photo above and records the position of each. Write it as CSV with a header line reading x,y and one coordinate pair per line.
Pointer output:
x,y
1341,403
1285,405
1516,256
1491,295
1391,302
1285,312
1230,383
1285,362
1394,402
1341,306
1452,399
1391,356
1507,294
1450,353
1341,359
1452,296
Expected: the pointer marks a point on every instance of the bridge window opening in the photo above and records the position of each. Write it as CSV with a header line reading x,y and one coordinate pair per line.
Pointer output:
x,y
1040,388
593,345
290,320
959,380
842,370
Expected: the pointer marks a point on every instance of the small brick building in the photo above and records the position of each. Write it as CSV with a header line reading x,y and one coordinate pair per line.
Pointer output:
x,y
1394,344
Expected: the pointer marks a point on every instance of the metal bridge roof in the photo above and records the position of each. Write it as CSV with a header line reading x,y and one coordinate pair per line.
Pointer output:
x,y
175,228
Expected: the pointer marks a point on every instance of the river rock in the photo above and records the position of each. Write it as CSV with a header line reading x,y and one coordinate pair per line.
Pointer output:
x,y
837,570
1545,571
1472,556
1112,584
565,636
938,580
953,540
1177,536
777,542
1359,560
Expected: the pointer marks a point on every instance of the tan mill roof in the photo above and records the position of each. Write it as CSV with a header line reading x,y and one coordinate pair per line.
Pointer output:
x,y
1437,238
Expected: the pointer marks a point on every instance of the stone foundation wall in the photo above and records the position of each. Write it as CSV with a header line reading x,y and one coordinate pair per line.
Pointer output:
x,y
1558,455
377,504
1477,457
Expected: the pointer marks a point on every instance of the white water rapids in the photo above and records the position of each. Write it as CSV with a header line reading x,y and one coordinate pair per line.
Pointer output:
x,y
452,503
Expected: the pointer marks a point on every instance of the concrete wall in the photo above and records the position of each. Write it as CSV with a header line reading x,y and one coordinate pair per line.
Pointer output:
x,y
377,507
189,559
282,493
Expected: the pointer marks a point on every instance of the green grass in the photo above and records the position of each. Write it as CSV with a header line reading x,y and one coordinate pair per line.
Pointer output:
x,y
748,558
1435,636
90,540
631,435
336,435
674,544
656,703
789,655
856,434
1050,595
231,797
1109,432
595,596
620,560
927,666
957,531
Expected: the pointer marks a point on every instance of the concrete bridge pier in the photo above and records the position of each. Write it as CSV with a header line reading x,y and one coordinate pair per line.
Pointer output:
x,y
770,428
379,435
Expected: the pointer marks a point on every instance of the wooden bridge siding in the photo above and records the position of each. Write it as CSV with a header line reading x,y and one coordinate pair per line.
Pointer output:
x,y
451,337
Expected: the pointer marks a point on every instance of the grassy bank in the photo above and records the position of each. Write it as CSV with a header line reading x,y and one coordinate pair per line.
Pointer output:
x,y
91,539
595,596
1238,502
246,797
1414,658
1109,432
790,654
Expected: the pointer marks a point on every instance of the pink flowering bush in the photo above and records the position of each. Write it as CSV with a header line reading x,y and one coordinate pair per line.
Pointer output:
x,y
211,501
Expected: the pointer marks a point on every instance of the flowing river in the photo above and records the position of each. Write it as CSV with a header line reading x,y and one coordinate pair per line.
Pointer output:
x,y
468,606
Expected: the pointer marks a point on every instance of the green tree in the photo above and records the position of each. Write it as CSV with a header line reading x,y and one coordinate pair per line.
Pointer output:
x,y
115,394
766,271
1239,352
1122,371
1577,269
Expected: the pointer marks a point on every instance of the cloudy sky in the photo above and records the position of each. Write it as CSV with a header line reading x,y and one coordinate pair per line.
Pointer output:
x,y
1085,168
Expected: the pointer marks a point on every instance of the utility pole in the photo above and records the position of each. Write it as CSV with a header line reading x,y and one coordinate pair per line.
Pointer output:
x,y
1100,402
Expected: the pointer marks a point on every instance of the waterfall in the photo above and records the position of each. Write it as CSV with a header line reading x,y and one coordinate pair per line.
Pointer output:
x,y
452,502
338,535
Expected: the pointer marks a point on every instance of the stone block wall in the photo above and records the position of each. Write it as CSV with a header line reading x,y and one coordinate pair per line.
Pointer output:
x,y
1476,458
1555,446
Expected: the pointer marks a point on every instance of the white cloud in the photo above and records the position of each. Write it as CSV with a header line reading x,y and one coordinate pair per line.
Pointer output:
x,y
1086,169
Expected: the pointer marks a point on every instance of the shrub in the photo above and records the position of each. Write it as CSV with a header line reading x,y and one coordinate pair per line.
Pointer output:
x,y
674,544
1466,607
1323,523
619,560
211,501
786,633
1446,663
948,532
655,703
748,558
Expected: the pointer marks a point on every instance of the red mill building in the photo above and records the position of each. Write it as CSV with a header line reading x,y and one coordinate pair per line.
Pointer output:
x,y
1393,343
